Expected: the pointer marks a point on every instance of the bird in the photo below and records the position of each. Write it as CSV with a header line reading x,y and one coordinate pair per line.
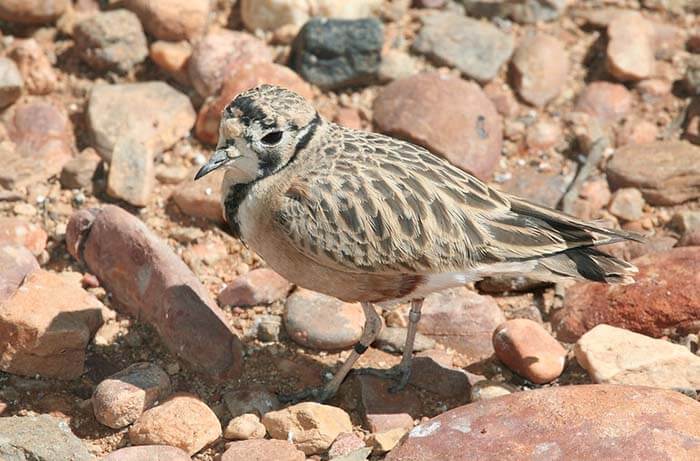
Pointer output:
x,y
368,218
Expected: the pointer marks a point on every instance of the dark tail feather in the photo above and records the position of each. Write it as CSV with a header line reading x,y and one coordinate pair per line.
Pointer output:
x,y
588,264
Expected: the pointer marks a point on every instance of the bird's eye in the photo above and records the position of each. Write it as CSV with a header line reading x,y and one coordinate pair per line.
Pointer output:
x,y
272,138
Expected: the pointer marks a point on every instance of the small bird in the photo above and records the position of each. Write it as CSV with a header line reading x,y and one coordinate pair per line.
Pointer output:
x,y
368,218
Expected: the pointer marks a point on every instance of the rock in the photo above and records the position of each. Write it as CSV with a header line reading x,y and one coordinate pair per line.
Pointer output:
x,y
477,49
40,438
429,3
148,453
11,82
347,10
201,199
120,399
16,231
630,53
470,134
691,79
443,380
666,172
43,142
152,113
259,286
687,224
148,281
244,427
321,322
543,135
617,356
172,174
395,65
486,390
349,118
312,427
131,172
16,263
172,58
79,172
221,53
172,19
262,450
664,297
32,11
541,187
34,65
463,320
502,98
386,441
254,400
609,102
344,444
113,40
271,14
48,323
245,76
532,11
540,68
627,204
383,410
636,131
338,53
619,421
268,327
529,350
182,421
393,339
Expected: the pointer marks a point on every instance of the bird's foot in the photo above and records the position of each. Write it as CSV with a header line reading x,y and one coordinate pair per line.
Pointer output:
x,y
315,394
399,374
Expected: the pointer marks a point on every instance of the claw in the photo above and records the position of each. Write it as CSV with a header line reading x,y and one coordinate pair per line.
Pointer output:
x,y
400,375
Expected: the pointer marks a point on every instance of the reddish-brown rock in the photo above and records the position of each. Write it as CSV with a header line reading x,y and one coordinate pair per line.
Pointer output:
x,y
630,53
202,198
609,102
32,11
383,410
172,19
148,453
19,232
443,380
16,262
571,422
540,67
151,283
470,134
262,450
34,65
259,286
664,297
172,58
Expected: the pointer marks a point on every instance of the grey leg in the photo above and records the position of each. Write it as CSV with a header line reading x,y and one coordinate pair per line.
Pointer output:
x,y
404,367
373,325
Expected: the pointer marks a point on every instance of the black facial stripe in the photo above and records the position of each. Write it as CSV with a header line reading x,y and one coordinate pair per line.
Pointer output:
x,y
269,163
249,111
235,197
310,130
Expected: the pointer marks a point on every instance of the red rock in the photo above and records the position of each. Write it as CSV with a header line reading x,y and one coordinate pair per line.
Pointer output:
x,y
182,421
148,453
241,78
344,444
47,324
259,286
151,283
383,410
445,381
543,135
79,172
666,296
172,58
34,65
540,68
687,224
636,131
32,11
570,422
463,320
609,102
529,350
470,134
221,53
19,232
502,98
630,53
172,19
349,118
202,198
256,400
627,204
262,450
16,263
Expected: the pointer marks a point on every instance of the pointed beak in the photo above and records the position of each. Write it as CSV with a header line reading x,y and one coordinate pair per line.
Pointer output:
x,y
220,158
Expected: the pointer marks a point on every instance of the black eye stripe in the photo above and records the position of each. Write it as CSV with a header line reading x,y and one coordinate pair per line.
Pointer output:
x,y
272,138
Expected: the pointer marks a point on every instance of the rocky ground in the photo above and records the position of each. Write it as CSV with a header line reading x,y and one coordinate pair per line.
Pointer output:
x,y
132,326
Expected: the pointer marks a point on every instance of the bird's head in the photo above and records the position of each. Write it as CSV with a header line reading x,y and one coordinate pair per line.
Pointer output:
x,y
261,131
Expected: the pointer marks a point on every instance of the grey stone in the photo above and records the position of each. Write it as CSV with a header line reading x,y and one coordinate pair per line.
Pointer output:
x,y
131,172
257,400
11,82
39,438
79,172
392,339
692,75
524,12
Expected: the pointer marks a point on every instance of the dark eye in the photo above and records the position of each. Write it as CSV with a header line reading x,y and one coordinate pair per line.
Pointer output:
x,y
272,138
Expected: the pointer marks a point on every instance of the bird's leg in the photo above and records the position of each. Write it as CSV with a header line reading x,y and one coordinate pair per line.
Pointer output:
x,y
373,325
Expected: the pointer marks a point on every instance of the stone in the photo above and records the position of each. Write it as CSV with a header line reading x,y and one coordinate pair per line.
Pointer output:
x,y
40,142
617,356
268,327
627,204
148,453
349,118
172,58
257,287
312,427
347,10
386,441
16,231
476,48
79,172
636,131
543,135
429,3
41,437
338,53
630,52
691,79
245,427
470,134
609,102
32,11
687,224
48,322
393,339
172,20
34,65
321,322
152,113
11,82
528,349
443,380
383,410
254,400
532,11
202,198
665,297
16,263
219,54
539,68
395,65
245,76
620,422
262,450
502,98
172,174
113,40
665,172
463,320
120,399
182,421
541,187
131,172
487,389
344,444
148,281
271,14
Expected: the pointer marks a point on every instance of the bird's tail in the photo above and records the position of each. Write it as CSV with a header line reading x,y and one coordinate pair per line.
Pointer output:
x,y
586,263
